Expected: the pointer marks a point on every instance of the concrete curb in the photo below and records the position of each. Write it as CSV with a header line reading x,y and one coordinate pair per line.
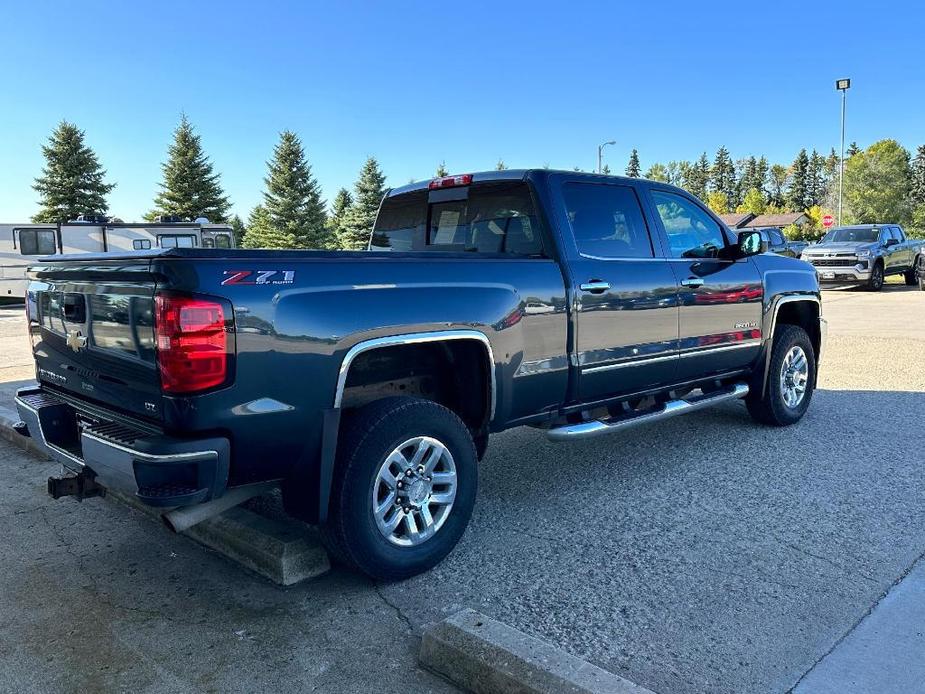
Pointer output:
x,y
285,553
488,657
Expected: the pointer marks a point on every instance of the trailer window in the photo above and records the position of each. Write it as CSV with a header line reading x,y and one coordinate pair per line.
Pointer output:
x,y
223,241
141,244
494,218
36,241
176,241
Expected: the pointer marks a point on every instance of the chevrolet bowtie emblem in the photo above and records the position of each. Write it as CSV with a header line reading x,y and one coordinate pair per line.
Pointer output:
x,y
76,341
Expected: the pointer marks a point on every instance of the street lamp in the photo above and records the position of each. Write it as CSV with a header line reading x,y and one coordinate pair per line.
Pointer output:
x,y
842,85
600,155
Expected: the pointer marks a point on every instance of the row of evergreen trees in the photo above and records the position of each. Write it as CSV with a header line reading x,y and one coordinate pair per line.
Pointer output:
x,y
293,213
882,183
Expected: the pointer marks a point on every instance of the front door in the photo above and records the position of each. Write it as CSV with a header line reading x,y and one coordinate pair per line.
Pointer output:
x,y
720,299
627,313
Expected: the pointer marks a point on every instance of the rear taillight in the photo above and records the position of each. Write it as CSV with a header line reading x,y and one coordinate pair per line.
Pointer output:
x,y
192,343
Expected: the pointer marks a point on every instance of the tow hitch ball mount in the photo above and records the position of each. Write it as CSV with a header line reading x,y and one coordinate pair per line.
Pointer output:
x,y
82,485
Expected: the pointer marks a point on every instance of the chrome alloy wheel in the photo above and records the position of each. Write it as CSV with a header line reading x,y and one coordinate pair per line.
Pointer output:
x,y
794,374
414,491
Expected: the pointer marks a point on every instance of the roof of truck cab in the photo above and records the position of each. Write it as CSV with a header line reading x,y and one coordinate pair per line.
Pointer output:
x,y
511,175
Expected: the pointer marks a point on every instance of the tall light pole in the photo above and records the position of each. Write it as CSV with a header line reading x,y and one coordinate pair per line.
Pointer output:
x,y
600,155
843,86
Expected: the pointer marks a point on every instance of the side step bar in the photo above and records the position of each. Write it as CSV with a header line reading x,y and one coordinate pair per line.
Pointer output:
x,y
584,430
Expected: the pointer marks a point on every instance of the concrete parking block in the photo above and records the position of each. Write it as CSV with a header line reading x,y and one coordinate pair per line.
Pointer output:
x,y
285,553
485,656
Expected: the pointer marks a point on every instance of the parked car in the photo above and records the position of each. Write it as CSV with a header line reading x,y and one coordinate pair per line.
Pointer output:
x,y
865,254
368,383
776,242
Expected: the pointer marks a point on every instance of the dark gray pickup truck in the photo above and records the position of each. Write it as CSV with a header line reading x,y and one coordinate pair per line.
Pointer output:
x,y
367,383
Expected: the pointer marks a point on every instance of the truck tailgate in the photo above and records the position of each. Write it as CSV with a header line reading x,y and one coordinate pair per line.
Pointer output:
x,y
92,331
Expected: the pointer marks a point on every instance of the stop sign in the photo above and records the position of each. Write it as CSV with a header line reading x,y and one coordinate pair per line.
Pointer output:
x,y
827,220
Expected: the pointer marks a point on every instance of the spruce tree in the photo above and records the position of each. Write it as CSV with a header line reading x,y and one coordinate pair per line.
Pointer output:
x,y
749,177
440,173
190,188
815,180
632,168
697,176
292,198
359,219
260,232
237,230
72,178
761,175
917,167
501,166
605,170
342,202
798,191
723,175
852,150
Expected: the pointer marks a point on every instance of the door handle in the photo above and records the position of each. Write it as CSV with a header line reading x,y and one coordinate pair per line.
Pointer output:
x,y
692,282
595,286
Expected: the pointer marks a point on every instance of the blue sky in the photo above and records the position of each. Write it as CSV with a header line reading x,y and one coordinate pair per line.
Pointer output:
x,y
414,83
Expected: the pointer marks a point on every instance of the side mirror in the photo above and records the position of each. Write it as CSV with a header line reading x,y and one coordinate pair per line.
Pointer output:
x,y
750,243
891,242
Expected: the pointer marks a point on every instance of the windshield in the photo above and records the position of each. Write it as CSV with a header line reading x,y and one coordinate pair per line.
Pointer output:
x,y
851,234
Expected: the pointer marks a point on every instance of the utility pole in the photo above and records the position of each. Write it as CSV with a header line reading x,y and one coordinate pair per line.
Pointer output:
x,y
843,86
600,155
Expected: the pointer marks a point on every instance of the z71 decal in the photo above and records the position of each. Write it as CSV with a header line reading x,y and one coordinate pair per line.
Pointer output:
x,y
258,277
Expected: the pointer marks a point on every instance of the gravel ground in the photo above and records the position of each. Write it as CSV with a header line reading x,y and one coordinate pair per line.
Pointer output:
x,y
701,554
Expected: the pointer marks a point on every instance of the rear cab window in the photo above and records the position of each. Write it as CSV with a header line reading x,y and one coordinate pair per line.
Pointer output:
x,y
490,217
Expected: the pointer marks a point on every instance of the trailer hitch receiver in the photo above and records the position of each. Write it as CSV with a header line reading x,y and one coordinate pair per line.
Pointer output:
x,y
82,485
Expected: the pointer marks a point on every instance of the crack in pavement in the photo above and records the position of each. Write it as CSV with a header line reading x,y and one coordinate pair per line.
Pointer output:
x,y
402,617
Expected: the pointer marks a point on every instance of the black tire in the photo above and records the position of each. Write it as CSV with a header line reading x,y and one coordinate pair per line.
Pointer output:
x,y
369,435
771,409
875,282
912,275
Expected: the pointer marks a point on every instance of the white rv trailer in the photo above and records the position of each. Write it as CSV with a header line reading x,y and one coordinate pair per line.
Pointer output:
x,y
22,244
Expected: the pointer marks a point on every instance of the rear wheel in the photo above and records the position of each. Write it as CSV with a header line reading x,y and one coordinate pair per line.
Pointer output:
x,y
404,487
912,276
875,283
791,379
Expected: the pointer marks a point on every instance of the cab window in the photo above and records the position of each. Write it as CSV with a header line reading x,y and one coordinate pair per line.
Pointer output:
x,y
607,221
691,232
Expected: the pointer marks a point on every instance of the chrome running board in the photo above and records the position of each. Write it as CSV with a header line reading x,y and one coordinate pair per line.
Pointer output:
x,y
597,427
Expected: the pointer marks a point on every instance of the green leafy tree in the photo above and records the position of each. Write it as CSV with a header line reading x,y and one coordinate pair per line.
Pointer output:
x,y
190,188
673,170
878,182
723,175
658,172
830,169
718,202
697,177
440,172
632,168
753,201
237,230
72,182
360,217
293,213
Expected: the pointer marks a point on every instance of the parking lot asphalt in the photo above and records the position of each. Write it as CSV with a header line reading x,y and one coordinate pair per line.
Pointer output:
x,y
704,553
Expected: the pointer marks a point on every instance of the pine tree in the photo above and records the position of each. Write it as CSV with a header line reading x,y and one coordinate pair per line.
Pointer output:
x,y
673,169
440,173
342,202
761,176
798,190
815,180
190,188
72,178
632,168
697,177
748,178
292,214
360,217
605,170
852,150
501,166
723,175
237,230
917,167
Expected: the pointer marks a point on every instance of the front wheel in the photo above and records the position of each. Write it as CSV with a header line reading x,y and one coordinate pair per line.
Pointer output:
x,y
875,283
404,488
791,379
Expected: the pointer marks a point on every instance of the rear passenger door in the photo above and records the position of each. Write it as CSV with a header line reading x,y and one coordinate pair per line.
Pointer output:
x,y
626,294
720,299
